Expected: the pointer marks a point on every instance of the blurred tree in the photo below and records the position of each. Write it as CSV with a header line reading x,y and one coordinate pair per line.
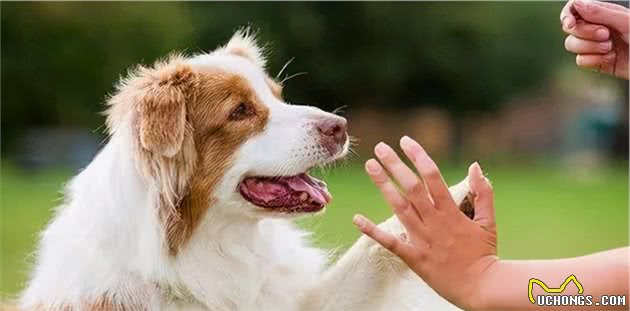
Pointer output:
x,y
60,59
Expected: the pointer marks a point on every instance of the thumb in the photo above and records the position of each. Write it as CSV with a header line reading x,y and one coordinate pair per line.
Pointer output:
x,y
594,12
483,197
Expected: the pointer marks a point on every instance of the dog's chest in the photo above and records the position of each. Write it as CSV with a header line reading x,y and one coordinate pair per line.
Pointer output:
x,y
278,278
274,289
268,274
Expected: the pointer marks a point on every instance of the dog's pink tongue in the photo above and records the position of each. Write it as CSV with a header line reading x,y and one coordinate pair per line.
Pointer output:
x,y
315,188
266,191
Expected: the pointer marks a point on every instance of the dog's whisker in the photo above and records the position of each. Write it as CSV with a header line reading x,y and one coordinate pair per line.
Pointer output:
x,y
354,140
100,128
287,78
284,67
339,110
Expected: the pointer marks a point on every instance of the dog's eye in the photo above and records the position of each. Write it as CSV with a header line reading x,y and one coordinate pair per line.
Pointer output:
x,y
241,112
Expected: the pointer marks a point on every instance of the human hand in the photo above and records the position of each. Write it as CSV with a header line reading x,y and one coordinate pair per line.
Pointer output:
x,y
449,251
598,34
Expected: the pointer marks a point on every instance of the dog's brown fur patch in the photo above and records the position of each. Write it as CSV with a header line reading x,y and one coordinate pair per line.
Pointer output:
x,y
467,206
103,303
216,139
129,298
162,107
242,52
186,131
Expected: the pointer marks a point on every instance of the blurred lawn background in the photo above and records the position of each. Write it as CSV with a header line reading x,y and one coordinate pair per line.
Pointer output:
x,y
474,81
542,211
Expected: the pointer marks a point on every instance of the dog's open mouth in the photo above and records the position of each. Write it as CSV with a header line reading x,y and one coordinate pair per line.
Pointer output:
x,y
288,194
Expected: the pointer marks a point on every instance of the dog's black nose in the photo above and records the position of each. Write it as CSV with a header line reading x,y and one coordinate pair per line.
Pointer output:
x,y
332,132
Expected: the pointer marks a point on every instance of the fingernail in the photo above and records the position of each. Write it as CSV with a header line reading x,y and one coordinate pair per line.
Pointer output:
x,y
602,33
477,169
358,221
406,142
605,47
411,145
584,4
568,24
380,149
372,166
471,167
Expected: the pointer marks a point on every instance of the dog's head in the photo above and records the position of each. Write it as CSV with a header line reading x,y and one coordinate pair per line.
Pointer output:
x,y
213,131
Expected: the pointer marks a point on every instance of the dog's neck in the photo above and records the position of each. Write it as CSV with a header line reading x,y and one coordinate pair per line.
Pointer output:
x,y
102,230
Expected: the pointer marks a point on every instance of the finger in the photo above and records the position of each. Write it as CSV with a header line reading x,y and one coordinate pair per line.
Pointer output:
x,y
432,177
483,196
567,19
410,182
595,61
580,46
421,200
401,207
596,13
609,63
588,31
387,240
613,6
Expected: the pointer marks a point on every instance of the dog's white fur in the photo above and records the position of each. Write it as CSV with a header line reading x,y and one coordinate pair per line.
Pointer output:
x,y
107,240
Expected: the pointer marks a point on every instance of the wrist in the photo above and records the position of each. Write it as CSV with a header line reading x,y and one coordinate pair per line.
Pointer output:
x,y
483,290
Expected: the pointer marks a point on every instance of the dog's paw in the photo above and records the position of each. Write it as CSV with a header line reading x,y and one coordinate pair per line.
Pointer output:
x,y
392,225
383,258
463,197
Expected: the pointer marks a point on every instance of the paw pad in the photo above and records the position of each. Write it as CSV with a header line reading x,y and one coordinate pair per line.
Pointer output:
x,y
467,206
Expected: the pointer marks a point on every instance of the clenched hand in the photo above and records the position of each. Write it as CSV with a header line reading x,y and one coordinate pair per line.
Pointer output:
x,y
598,34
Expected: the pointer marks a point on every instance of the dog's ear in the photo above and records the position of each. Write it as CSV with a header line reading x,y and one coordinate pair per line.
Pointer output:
x,y
243,43
161,106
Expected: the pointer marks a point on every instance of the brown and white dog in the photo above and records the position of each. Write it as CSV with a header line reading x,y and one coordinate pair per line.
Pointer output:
x,y
188,206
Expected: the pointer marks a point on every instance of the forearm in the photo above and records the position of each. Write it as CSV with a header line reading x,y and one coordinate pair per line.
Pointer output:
x,y
505,285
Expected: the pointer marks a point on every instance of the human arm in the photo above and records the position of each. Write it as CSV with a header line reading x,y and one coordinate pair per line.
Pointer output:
x,y
456,256
603,273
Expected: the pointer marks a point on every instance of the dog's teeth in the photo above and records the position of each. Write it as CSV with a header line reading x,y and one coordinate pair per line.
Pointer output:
x,y
303,196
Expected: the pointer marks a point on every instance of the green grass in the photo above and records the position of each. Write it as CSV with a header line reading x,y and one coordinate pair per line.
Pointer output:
x,y
542,211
